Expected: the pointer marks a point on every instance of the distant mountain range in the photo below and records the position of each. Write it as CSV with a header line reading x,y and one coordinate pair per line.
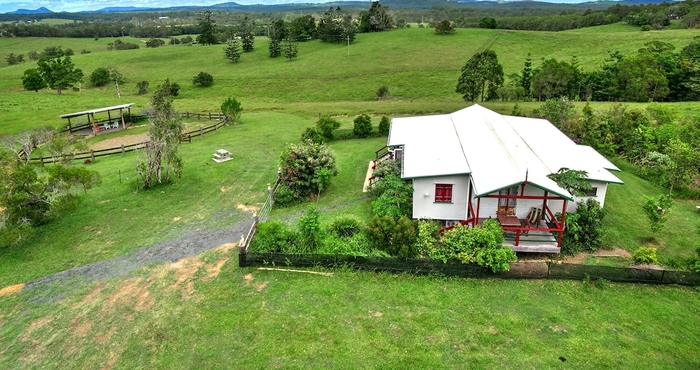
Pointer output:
x,y
41,10
425,4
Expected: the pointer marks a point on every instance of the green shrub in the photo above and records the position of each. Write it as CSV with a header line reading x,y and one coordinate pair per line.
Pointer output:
x,y
174,89
694,263
325,126
395,199
584,229
99,77
304,168
480,245
154,43
384,126
363,126
428,240
382,92
310,232
386,168
657,210
272,237
356,245
312,135
645,255
397,238
142,87
345,226
284,196
232,108
203,79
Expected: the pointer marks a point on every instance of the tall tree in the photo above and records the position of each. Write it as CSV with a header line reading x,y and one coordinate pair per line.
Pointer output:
x,y
247,35
58,70
376,19
290,49
164,133
336,26
554,79
303,28
526,78
32,80
641,78
481,70
232,50
207,29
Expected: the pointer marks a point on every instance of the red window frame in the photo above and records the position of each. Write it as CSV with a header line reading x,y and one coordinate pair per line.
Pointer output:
x,y
443,193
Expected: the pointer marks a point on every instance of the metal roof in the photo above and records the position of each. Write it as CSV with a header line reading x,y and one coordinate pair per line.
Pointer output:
x,y
499,151
98,110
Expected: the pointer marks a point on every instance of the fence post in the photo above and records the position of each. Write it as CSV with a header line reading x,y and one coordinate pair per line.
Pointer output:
x,y
92,155
216,127
242,253
663,273
187,114
122,150
210,115
201,134
271,195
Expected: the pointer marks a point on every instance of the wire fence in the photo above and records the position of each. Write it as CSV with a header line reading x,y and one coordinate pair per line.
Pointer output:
x,y
261,216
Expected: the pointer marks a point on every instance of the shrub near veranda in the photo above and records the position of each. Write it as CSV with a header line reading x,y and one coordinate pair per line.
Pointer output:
x,y
584,228
480,245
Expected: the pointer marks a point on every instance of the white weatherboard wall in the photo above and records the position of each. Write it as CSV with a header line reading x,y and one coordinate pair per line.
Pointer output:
x,y
555,205
424,206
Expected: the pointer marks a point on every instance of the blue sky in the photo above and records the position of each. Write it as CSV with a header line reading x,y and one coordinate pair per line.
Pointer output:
x,y
78,5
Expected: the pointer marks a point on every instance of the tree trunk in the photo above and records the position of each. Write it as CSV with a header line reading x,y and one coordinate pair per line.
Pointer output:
x,y
58,89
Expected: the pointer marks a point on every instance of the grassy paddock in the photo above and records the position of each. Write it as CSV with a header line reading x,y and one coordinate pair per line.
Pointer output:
x,y
419,68
199,314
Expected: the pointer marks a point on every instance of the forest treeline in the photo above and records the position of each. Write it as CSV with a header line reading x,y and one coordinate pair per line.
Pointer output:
x,y
541,17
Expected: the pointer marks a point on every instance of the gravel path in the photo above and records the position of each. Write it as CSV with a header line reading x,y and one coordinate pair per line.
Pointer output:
x,y
199,238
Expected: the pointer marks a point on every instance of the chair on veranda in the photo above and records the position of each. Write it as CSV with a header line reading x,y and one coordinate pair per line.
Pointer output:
x,y
533,218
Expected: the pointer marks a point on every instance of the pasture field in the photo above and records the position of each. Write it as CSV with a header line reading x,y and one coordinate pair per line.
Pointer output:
x,y
419,68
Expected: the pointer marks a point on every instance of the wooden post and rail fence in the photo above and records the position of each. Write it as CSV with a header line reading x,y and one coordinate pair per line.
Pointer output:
x,y
123,149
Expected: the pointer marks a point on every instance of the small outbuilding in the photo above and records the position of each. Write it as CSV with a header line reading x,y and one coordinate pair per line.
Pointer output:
x,y
113,121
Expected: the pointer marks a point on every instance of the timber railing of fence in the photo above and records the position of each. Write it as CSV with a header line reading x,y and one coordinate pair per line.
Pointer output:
x,y
122,149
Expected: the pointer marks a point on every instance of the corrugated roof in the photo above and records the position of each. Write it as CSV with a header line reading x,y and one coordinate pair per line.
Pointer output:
x,y
98,110
499,151
431,147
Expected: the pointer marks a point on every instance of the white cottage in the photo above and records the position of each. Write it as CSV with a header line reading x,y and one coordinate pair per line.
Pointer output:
x,y
475,164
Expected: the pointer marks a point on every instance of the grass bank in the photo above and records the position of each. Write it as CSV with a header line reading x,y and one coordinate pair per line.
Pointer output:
x,y
206,313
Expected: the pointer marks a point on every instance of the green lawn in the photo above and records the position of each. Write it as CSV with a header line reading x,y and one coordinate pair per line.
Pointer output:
x,y
627,226
197,314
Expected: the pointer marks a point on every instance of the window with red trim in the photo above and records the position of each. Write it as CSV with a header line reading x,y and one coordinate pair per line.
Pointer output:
x,y
443,193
